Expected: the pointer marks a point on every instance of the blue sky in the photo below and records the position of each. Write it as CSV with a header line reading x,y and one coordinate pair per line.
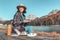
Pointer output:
x,y
36,7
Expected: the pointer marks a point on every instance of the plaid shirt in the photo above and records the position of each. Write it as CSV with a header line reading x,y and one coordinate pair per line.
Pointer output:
x,y
18,21
18,18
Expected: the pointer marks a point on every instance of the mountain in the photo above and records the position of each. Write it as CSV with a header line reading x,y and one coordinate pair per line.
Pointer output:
x,y
1,20
53,18
31,17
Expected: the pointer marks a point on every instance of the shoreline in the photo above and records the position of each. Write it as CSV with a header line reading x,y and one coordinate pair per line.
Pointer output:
x,y
4,37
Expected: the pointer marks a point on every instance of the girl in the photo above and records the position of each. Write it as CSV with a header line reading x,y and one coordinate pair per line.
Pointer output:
x,y
19,21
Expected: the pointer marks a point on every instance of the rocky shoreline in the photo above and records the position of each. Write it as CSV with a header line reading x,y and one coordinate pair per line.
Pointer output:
x,y
40,36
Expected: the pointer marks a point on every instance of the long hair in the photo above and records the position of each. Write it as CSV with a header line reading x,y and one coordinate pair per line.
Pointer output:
x,y
21,7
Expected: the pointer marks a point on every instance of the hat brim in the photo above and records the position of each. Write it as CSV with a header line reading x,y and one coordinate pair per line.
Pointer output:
x,y
21,7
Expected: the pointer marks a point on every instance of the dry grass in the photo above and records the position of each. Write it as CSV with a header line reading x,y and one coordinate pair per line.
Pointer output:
x,y
53,34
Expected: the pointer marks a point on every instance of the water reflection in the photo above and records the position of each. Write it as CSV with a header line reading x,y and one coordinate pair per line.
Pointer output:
x,y
46,28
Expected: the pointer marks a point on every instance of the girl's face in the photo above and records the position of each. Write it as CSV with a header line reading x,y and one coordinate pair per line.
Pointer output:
x,y
21,9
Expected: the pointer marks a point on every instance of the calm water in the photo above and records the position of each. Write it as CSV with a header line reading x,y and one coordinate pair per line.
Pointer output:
x,y
46,28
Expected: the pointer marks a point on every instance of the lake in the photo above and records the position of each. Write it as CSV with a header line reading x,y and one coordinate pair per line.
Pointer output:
x,y
46,28
43,28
